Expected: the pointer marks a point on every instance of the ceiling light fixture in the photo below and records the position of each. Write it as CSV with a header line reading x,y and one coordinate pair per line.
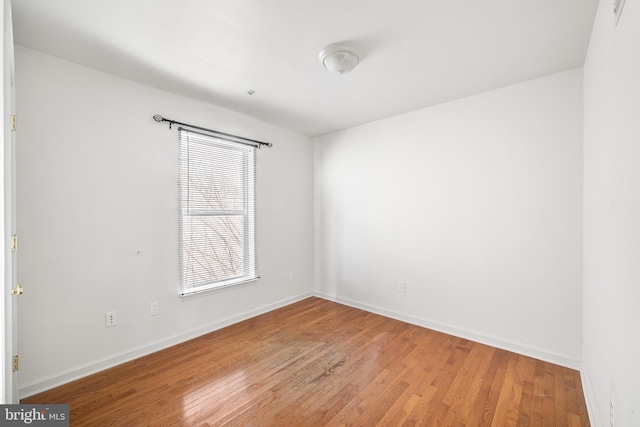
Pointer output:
x,y
339,58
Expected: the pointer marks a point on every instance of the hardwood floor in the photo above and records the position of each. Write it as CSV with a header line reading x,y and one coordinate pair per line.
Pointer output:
x,y
318,363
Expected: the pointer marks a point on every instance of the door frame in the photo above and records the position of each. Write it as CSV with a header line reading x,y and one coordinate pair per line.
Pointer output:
x,y
8,322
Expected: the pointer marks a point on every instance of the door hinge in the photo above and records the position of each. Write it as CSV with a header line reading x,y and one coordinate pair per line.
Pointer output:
x,y
14,122
18,290
16,363
14,243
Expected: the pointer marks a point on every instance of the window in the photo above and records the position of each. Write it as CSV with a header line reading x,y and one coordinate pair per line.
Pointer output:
x,y
216,202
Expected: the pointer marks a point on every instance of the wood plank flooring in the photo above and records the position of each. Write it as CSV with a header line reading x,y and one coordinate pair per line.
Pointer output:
x,y
318,363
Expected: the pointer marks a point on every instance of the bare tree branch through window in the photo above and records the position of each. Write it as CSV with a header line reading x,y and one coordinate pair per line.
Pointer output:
x,y
217,211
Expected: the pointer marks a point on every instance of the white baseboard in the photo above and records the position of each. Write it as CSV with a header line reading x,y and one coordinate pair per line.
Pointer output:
x,y
525,350
42,384
589,396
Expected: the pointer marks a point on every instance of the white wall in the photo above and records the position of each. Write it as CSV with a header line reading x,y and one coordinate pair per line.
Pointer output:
x,y
612,216
476,204
97,180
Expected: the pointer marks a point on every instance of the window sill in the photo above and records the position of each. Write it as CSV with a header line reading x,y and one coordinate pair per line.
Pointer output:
x,y
216,286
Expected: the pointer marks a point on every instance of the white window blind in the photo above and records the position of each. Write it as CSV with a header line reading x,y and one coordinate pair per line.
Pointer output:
x,y
216,213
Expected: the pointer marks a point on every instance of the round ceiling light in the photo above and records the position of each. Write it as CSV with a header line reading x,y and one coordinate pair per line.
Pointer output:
x,y
339,58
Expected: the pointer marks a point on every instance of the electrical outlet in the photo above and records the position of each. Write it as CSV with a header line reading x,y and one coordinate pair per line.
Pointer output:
x,y
400,286
291,275
154,308
111,318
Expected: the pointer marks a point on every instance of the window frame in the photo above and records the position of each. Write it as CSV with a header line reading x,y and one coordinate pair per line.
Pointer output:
x,y
249,269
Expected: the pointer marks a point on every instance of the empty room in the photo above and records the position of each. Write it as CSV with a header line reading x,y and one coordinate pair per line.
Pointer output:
x,y
305,213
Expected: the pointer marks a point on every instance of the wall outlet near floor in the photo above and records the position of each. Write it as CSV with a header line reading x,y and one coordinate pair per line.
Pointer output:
x,y
400,286
111,318
154,308
291,275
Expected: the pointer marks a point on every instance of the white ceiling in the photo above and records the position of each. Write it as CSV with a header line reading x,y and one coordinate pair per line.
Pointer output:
x,y
417,53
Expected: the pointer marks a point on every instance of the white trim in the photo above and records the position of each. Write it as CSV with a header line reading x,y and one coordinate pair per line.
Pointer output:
x,y
523,349
589,396
45,383
8,260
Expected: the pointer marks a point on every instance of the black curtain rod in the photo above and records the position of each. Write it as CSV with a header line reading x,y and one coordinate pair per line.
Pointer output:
x,y
158,118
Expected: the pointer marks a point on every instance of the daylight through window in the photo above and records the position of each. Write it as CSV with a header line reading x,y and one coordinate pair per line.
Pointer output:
x,y
217,213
